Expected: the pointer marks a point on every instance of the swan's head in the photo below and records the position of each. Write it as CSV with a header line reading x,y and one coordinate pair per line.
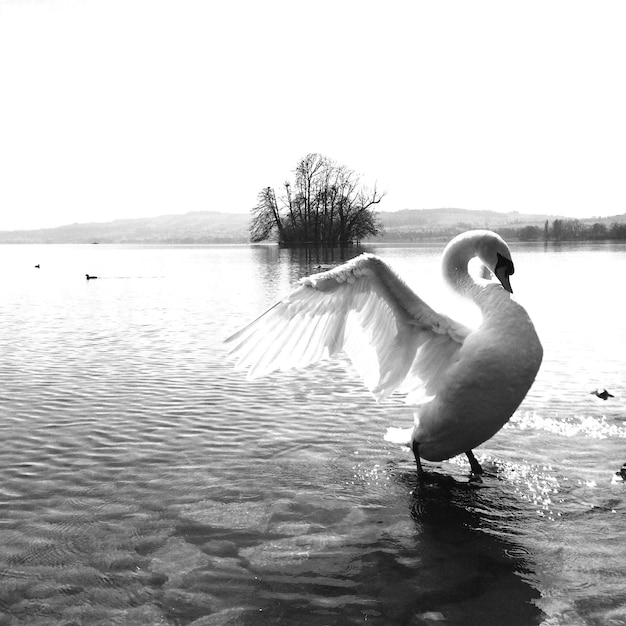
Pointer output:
x,y
495,254
485,245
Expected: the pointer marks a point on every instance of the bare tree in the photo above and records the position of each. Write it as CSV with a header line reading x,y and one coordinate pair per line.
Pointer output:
x,y
266,217
324,205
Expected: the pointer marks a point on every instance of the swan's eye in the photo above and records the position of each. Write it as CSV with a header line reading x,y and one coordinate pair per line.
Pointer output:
x,y
505,264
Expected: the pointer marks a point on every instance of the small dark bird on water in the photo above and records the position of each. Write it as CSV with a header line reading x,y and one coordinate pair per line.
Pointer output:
x,y
620,475
90,277
603,395
37,266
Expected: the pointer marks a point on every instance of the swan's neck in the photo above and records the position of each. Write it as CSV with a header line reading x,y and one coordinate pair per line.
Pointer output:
x,y
455,263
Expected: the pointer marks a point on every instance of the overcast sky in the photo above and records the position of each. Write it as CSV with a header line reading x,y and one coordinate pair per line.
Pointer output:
x,y
130,108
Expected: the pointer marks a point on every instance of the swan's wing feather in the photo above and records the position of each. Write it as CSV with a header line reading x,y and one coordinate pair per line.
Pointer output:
x,y
393,338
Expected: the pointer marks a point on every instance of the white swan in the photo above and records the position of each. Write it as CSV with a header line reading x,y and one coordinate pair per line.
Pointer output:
x,y
465,384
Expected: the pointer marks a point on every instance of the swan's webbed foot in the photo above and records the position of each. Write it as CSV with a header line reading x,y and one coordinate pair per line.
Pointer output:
x,y
420,471
474,464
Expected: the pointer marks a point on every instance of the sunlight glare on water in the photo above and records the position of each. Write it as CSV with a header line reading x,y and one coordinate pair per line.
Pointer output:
x,y
143,481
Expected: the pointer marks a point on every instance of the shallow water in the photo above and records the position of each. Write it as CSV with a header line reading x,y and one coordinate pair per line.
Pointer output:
x,y
143,481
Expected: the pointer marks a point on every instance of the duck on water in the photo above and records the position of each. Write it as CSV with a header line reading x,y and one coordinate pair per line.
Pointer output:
x,y
463,384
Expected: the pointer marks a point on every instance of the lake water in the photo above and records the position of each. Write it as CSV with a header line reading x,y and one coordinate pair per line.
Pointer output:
x,y
143,481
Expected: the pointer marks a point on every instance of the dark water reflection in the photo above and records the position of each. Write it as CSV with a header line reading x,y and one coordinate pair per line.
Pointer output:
x,y
279,268
487,578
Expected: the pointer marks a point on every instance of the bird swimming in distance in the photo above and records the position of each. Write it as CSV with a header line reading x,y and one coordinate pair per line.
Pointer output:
x,y
463,384
90,277
37,266
603,395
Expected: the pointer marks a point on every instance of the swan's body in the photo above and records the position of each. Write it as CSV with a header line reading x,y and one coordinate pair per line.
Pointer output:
x,y
465,384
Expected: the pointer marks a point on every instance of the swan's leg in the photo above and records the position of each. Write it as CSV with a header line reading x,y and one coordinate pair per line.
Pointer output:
x,y
420,472
474,464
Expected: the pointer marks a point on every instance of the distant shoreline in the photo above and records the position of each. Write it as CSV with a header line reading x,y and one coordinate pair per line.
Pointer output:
x,y
423,225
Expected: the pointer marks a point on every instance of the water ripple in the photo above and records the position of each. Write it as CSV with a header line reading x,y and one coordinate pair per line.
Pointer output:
x,y
593,426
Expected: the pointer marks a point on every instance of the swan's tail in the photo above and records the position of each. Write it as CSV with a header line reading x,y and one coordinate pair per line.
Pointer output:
x,y
401,436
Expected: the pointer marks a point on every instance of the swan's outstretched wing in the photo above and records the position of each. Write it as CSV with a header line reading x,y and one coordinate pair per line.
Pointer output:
x,y
393,338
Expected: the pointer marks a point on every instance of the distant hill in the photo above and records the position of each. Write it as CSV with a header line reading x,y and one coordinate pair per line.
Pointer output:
x,y
438,218
417,224
206,227
192,227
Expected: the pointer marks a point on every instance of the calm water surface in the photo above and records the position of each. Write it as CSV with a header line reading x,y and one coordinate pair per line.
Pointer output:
x,y
143,481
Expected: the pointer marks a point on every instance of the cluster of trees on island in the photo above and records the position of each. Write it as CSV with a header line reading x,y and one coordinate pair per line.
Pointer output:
x,y
324,205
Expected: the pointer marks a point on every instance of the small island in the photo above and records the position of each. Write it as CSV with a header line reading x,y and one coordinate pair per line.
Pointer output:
x,y
324,205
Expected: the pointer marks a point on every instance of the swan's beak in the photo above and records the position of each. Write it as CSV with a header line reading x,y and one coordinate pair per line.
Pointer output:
x,y
502,275
504,268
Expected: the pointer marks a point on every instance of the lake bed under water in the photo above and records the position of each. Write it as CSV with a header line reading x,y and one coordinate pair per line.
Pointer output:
x,y
144,481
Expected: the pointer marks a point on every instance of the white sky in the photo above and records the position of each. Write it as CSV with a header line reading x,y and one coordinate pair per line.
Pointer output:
x,y
130,108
